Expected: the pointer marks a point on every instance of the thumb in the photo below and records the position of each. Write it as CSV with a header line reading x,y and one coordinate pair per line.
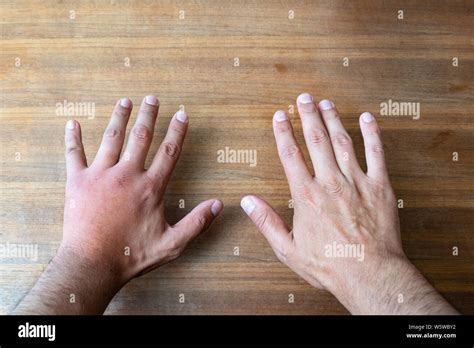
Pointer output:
x,y
198,220
270,224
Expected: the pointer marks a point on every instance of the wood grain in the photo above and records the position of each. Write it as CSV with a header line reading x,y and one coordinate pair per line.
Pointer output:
x,y
190,61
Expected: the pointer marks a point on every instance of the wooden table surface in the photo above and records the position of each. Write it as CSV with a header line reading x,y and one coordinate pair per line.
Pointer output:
x,y
186,53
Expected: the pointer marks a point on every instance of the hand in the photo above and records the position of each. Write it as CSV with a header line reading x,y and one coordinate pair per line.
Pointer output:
x,y
114,223
346,235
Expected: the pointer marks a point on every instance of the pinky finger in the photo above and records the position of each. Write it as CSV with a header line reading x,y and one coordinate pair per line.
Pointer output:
x,y
75,156
374,152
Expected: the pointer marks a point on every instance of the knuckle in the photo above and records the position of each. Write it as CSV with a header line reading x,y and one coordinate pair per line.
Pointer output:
x,y
383,191
151,186
121,113
375,131
178,130
381,186
377,150
148,110
342,139
170,150
173,250
283,253
307,109
158,177
305,193
73,147
141,133
318,137
71,139
333,187
173,245
112,133
173,254
121,181
290,151
261,220
200,221
283,127
330,114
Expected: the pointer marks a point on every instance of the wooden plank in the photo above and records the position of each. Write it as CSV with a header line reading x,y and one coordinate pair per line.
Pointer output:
x,y
190,62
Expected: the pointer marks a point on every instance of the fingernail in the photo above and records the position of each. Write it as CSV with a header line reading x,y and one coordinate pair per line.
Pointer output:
x,y
326,104
367,117
279,116
181,116
71,124
305,98
247,204
216,207
151,100
125,102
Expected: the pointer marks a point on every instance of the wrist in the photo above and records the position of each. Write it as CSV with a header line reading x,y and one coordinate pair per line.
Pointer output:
x,y
89,284
71,284
377,288
391,285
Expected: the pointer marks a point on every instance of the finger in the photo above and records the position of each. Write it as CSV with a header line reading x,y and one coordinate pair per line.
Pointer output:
x,y
75,156
140,137
112,141
290,153
270,224
317,138
168,153
341,141
197,221
374,152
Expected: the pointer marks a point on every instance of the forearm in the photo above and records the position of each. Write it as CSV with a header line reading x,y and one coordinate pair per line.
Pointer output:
x,y
71,284
396,287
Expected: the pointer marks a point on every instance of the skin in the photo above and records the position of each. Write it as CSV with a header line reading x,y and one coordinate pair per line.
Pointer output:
x,y
114,223
342,205
115,228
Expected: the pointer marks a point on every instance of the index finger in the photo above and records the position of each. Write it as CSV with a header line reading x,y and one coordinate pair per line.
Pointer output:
x,y
290,153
